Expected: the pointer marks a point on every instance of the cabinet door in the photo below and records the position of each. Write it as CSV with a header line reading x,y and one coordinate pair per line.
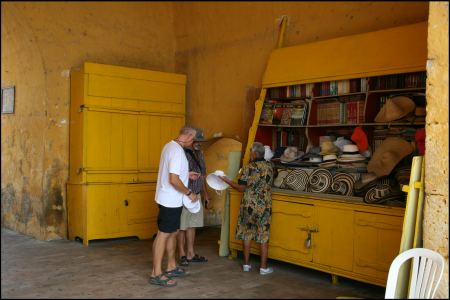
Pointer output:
x,y
377,243
288,231
97,134
111,141
141,209
103,210
153,133
333,243
129,141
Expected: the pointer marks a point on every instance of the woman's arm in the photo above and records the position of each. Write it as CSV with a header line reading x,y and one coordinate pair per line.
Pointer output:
x,y
238,187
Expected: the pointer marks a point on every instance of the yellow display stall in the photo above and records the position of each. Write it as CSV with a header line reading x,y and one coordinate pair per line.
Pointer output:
x,y
337,234
120,118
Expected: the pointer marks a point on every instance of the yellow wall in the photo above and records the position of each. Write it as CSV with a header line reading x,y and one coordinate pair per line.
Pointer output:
x,y
435,225
223,48
40,43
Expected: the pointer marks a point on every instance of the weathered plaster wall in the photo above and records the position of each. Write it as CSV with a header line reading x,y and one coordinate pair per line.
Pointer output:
x,y
435,225
224,47
41,41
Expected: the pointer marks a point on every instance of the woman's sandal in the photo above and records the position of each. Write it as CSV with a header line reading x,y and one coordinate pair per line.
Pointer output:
x,y
158,280
184,261
197,258
177,272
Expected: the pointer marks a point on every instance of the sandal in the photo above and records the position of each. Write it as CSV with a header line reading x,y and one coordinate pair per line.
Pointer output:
x,y
184,261
177,272
197,258
158,280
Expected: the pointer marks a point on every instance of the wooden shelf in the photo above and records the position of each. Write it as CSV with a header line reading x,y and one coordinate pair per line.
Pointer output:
x,y
397,90
340,95
288,126
368,124
344,125
288,98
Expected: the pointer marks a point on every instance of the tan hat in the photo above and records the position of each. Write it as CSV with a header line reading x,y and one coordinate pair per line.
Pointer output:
x,y
395,108
391,151
290,154
350,154
328,147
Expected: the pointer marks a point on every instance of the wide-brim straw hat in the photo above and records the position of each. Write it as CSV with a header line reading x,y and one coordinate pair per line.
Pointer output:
x,y
215,182
290,154
395,108
391,151
328,147
350,153
192,207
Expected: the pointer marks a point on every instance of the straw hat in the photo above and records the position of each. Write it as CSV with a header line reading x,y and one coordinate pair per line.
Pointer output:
x,y
328,147
328,161
192,207
395,108
290,154
215,182
388,155
350,153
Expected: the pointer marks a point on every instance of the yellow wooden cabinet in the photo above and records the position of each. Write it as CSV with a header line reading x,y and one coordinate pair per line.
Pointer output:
x,y
347,238
340,235
120,118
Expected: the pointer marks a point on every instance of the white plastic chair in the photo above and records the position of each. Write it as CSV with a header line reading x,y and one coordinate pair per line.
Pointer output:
x,y
426,273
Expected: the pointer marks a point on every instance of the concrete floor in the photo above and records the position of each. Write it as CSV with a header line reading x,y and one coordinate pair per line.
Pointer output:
x,y
121,268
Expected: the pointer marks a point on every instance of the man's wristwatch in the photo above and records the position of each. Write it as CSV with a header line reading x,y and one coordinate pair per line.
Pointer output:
x,y
189,193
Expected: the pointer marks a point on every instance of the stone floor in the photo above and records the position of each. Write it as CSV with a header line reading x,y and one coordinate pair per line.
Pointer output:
x,y
121,268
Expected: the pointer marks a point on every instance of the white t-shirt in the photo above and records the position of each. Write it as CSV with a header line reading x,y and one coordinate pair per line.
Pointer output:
x,y
173,160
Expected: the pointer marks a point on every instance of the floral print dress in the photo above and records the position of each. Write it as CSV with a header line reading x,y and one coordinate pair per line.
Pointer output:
x,y
256,204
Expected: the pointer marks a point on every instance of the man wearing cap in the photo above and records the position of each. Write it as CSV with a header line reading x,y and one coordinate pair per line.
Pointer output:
x,y
255,212
171,187
189,221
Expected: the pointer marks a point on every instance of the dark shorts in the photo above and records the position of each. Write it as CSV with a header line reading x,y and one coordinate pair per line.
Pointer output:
x,y
169,218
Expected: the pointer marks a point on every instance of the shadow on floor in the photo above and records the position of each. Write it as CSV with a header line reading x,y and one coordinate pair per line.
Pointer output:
x,y
120,268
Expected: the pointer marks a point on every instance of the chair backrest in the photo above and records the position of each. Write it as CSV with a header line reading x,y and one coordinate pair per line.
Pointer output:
x,y
426,273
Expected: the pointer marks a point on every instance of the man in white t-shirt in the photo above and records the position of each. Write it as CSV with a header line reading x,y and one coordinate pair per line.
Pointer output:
x,y
171,187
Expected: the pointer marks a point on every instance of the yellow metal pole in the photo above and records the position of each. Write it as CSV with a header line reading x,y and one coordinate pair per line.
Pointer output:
x,y
414,189
282,30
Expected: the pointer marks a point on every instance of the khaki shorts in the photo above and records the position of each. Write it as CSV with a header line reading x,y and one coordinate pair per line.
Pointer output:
x,y
190,220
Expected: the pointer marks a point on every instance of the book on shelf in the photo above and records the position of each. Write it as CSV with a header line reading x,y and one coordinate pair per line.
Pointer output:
x,y
287,114
299,111
277,113
266,114
398,81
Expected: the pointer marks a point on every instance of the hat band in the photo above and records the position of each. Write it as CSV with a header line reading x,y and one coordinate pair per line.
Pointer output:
x,y
353,152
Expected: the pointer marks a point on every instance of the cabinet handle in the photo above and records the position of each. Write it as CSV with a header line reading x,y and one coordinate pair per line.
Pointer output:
x,y
125,202
307,242
308,229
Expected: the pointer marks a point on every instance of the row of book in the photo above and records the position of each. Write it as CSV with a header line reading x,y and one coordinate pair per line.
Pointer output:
x,y
294,113
292,91
348,86
288,137
326,88
334,112
340,87
398,81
